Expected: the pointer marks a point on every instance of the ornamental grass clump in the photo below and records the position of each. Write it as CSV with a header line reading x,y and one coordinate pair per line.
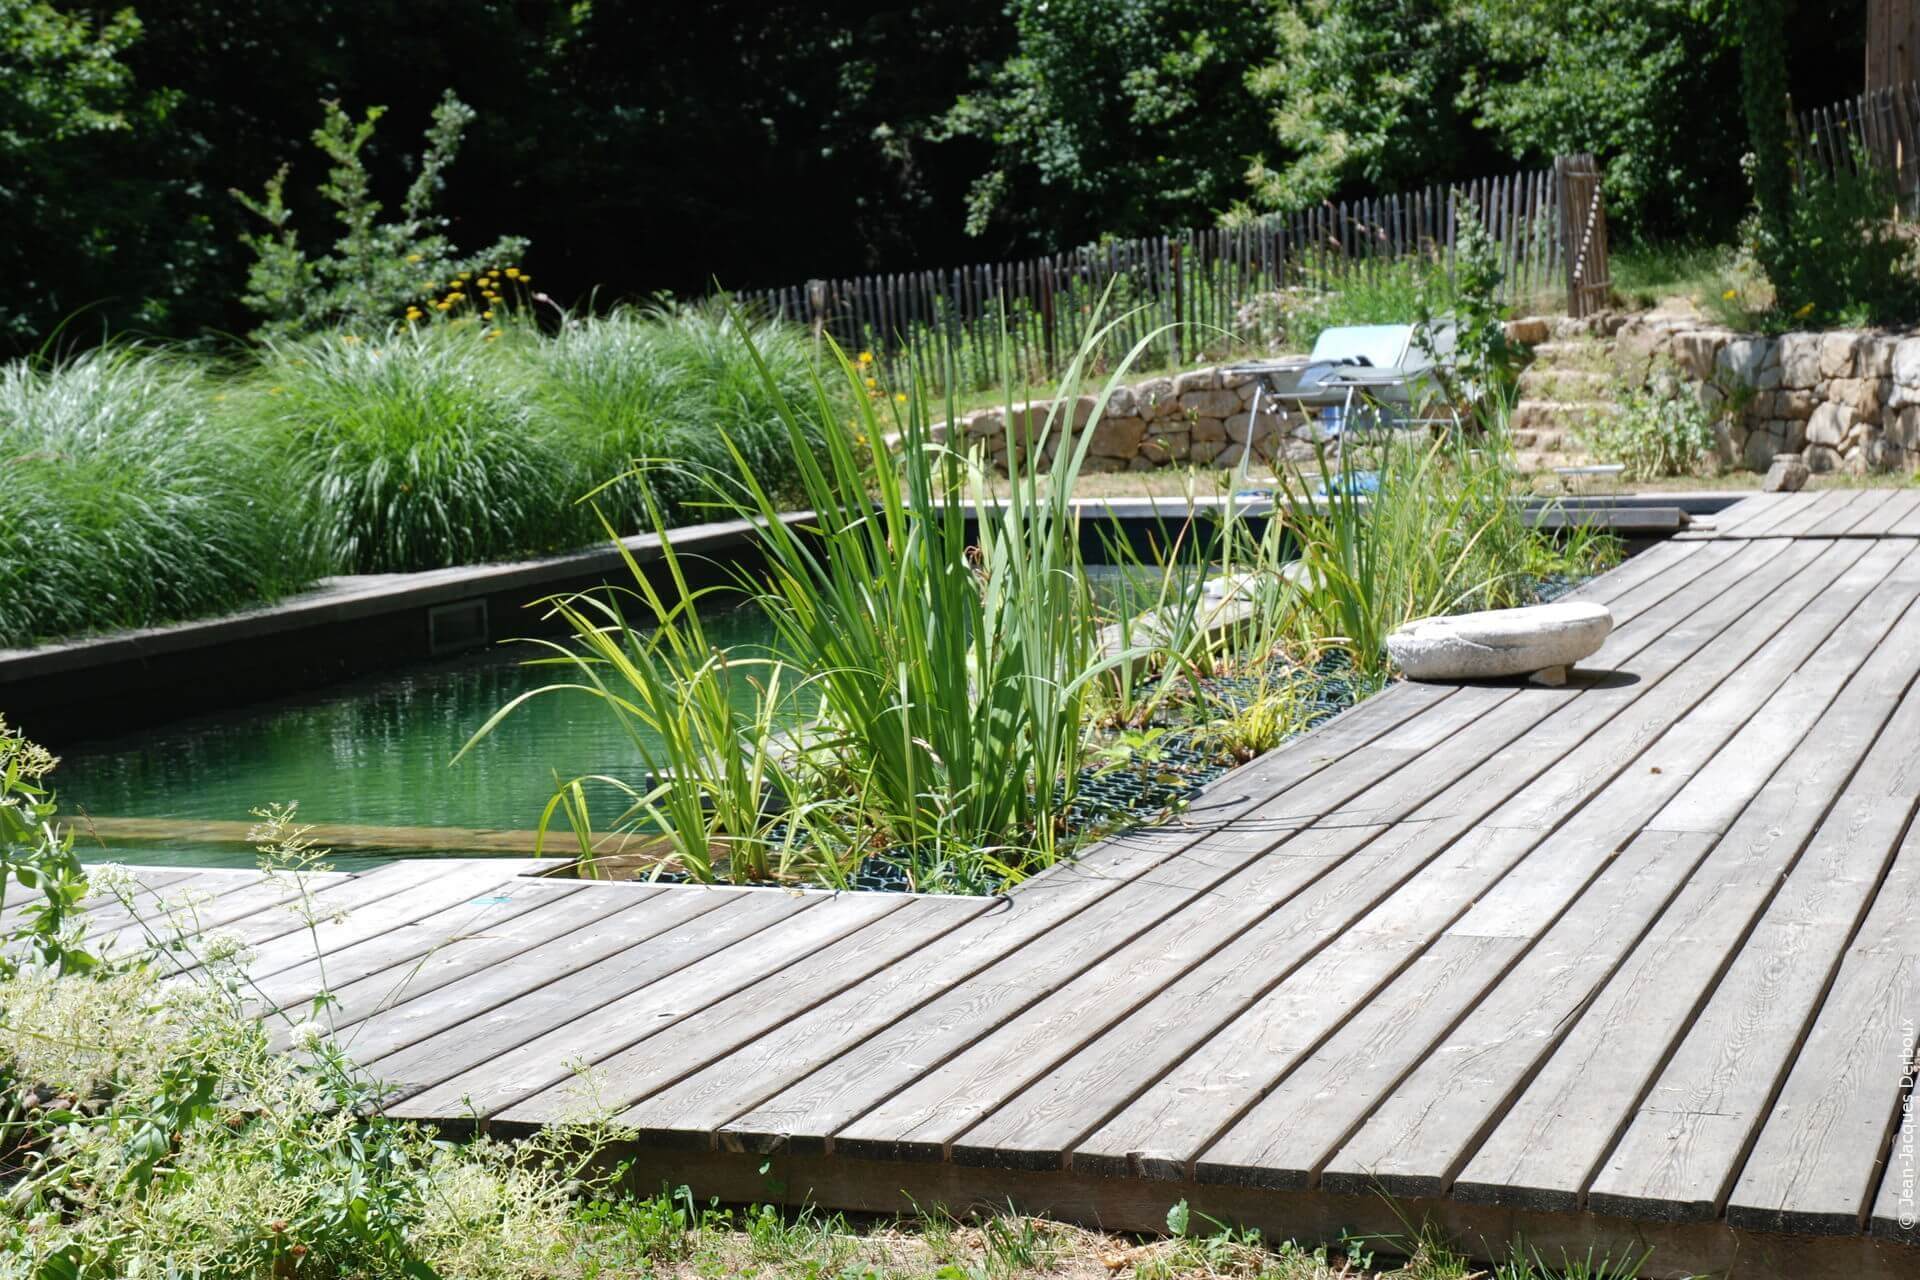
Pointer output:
x,y
417,448
124,502
651,396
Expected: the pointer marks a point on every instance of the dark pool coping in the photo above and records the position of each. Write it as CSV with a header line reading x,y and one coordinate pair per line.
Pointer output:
x,y
346,597
349,597
67,692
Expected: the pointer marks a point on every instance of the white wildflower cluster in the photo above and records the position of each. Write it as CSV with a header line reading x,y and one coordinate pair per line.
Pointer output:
x,y
223,946
111,880
305,1035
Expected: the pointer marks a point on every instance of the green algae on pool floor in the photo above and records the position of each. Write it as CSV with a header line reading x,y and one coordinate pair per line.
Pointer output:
x,y
369,759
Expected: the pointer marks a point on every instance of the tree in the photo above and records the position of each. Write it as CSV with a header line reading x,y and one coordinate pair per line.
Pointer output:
x,y
1364,93
1627,82
1763,93
1122,117
78,225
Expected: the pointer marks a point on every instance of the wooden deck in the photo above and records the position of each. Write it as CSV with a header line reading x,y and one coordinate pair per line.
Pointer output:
x,y
1636,960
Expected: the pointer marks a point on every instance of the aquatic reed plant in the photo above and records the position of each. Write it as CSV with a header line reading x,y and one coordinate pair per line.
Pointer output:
x,y
953,662
417,448
711,794
934,629
124,503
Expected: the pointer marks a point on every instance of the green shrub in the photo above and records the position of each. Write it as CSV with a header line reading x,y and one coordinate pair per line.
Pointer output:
x,y
1844,262
123,503
376,269
417,448
1661,430
1479,380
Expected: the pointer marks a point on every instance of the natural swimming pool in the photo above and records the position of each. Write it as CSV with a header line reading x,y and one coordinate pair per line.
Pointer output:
x,y
371,760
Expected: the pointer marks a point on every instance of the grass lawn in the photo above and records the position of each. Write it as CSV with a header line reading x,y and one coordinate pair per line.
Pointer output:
x,y
674,1236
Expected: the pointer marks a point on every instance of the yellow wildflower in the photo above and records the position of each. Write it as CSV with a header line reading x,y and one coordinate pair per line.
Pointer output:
x,y
416,257
513,273
871,384
1804,312
900,397
866,357
442,306
349,338
487,314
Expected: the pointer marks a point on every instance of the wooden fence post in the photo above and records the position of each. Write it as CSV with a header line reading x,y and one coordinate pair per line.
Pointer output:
x,y
1179,305
817,309
1583,233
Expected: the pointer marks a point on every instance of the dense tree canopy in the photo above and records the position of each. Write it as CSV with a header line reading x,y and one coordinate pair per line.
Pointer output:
x,y
665,147
1122,117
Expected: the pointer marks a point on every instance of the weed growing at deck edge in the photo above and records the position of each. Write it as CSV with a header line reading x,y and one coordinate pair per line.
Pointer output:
x,y
675,1237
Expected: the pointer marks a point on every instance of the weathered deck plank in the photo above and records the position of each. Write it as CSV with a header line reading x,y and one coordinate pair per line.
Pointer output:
x,y
943,1105
1826,1138
518,1063
692,1108
1427,1128
838,1093
518,1001
1681,1151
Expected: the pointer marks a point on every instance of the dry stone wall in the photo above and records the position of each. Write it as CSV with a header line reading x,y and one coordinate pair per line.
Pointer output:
x,y
1844,400
1203,417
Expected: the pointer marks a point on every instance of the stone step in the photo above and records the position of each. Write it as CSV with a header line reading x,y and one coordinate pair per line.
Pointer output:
x,y
1537,461
1540,438
1574,354
1557,414
1554,383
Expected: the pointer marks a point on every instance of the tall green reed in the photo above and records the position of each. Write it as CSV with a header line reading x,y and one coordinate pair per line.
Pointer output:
x,y
704,723
934,647
954,663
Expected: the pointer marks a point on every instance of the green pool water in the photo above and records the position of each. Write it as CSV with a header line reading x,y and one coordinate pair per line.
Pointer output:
x,y
375,756
375,752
